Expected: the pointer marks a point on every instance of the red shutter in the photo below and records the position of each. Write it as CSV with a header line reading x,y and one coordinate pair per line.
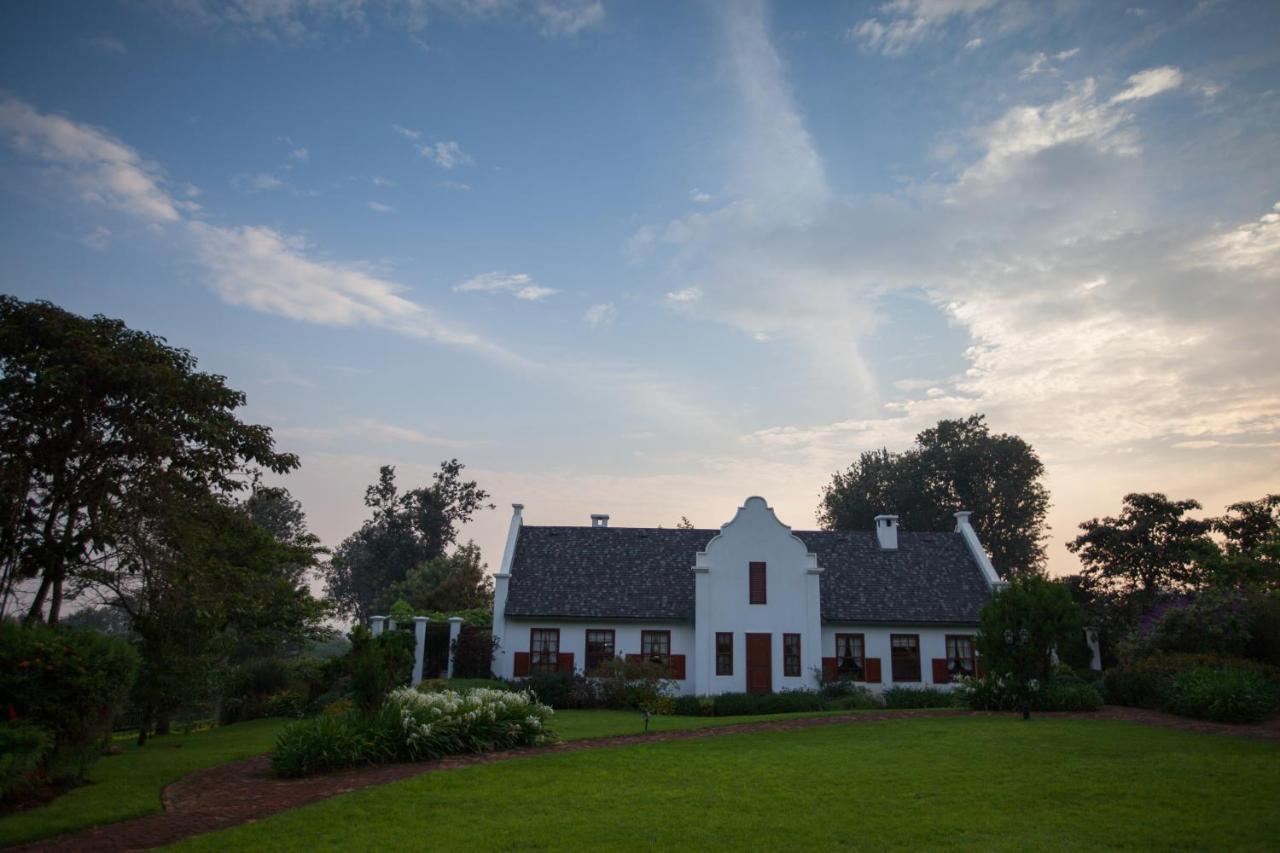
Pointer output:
x,y
522,664
872,666
941,675
677,667
564,661
757,583
829,669
978,668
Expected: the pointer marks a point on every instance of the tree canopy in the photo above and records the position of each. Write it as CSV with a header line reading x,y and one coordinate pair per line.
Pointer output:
x,y
957,464
405,531
93,416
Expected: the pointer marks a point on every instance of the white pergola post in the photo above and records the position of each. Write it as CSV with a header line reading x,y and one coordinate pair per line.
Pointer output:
x,y
455,629
1095,648
376,624
420,647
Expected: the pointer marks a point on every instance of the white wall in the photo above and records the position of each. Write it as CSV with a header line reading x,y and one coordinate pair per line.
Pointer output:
x,y
573,638
933,644
756,535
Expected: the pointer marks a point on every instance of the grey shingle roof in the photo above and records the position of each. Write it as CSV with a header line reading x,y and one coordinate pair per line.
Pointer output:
x,y
644,573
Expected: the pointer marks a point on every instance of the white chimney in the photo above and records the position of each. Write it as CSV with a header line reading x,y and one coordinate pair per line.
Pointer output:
x,y
979,554
887,532
599,519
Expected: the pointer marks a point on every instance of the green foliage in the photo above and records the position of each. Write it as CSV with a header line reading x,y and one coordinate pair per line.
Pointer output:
x,y
1152,546
413,726
93,416
784,702
1062,692
958,464
693,706
24,751
1227,695
446,583
917,697
473,653
1021,625
1213,621
1147,682
634,684
68,682
379,664
405,531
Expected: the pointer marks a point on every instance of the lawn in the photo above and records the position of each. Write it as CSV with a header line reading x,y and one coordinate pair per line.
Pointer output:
x,y
579,725
128,785
971,782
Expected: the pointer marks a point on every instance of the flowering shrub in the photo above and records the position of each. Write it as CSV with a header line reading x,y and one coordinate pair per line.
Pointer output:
x,y
413,725
1003,692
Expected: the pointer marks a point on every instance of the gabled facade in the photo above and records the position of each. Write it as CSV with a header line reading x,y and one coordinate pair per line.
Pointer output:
x,y
751,607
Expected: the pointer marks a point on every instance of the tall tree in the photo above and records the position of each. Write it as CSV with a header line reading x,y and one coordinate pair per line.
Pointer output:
x,y
1153,546
1251,534
450,582
406,530
957,464
94,414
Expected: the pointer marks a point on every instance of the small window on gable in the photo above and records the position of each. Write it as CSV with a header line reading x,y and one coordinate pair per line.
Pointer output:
x,y
757,583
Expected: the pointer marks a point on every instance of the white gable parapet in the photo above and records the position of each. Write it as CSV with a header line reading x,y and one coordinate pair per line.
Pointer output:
x,y
501,660
965,529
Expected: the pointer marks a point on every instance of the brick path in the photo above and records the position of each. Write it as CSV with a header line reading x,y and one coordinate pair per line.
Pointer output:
x,y
231,794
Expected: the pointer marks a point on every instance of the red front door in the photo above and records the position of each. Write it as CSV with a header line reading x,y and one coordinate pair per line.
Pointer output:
x,y
759,664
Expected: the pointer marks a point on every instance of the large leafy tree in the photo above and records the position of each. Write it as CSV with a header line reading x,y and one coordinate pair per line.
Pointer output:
x,y
1024,622
1153,546
93,417
957,464
1251,536
405,530
448,583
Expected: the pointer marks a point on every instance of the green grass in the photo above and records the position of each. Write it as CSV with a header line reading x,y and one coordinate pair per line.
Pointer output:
x,y
979,783
579,725
128,785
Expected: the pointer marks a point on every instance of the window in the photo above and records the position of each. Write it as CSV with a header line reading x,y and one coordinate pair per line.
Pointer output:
x,y
656,646
724,654
851,657
906,656
960,657
757,583
544,650
599,649
791,655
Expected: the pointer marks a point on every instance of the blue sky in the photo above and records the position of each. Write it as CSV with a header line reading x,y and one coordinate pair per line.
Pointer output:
x,y
648,259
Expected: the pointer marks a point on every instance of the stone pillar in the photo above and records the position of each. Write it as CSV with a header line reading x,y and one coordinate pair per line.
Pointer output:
x,y
420,647
1091,637
811,644
455,629
375,624
391,623
704,643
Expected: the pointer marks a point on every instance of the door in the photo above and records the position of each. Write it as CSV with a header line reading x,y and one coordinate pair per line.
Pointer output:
x,y
759,664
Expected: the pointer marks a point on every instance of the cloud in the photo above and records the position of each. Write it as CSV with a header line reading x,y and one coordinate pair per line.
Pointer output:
x,y
685,296
521,285
406,132
699,197
379,207
1249,246
446,154
903,24
1035,66
600,315
381,182
368,429
568,17
459,186
98,239
1066,54
300,154
107,43
1149,83
257,182
104,169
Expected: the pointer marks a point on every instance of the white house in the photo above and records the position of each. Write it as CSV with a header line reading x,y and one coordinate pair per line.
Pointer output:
x,y
753,606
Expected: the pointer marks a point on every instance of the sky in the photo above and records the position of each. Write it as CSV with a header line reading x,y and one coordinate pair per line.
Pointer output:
x,y
648,259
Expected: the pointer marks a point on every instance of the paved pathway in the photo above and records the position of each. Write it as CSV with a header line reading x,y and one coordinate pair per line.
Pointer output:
x,y
232,794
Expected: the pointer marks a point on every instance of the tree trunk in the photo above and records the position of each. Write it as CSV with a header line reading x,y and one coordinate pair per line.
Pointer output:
x,y
162,723
36,613
55,603
144,726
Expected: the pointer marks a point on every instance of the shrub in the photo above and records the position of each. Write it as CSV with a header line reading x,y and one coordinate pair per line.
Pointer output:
x,y
23,750
379,664
413,726
917,697
1062,692
751,704
1145,682
1227,695
563,690
633,684
1210,622
69,683
473,653
693,706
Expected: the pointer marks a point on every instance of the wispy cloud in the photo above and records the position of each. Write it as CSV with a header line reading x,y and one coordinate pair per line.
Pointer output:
x,y
379,207
446,155
521,285
902,24
107,43
600,315
1149,83
98,239
258,182
368,429
568,17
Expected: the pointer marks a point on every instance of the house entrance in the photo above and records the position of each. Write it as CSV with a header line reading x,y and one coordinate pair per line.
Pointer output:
x,y
759,663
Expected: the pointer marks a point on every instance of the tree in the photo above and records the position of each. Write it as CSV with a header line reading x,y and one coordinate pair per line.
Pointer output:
x,y
198,577
406,530
92,415
1251,530
958,464
457,581
1023,623
685,523
1150,548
